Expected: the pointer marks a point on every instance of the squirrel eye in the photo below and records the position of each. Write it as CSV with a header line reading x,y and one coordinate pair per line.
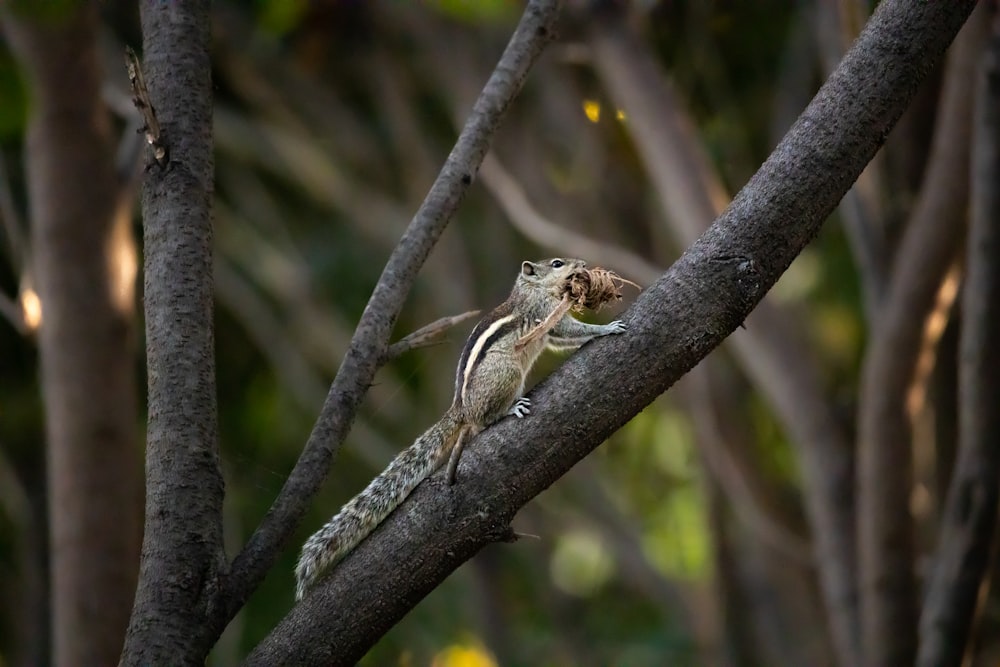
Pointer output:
x,y
556,263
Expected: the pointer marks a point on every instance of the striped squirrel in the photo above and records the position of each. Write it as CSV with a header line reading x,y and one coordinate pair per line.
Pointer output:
x,y
488,386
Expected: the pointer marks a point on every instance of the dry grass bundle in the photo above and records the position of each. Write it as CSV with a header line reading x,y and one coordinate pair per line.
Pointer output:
x,y
594,288
585,288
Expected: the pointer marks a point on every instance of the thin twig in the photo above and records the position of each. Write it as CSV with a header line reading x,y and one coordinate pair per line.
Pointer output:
x,y
426,335
525,217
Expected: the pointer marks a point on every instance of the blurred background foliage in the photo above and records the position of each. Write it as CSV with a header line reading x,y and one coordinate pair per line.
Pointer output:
x,y
332,119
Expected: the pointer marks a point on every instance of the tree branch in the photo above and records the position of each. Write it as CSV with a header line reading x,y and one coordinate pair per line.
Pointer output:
x,y
689,311
368,345
512,198
427,335
773,349
932,239
862,211
182,552
969,528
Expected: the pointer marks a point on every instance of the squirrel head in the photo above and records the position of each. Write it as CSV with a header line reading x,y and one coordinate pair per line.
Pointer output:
x,y
549,273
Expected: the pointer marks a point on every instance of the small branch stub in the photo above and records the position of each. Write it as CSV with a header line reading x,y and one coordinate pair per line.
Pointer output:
x,y
425,336
140,98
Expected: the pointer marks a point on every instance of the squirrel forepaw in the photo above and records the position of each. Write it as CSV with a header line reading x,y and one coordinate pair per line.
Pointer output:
x,y
617,327
521,408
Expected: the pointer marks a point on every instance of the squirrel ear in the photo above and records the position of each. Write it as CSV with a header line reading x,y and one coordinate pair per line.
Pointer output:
x,y
528,269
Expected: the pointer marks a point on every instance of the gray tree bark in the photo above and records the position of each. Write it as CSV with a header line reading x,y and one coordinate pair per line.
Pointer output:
x,y
183,560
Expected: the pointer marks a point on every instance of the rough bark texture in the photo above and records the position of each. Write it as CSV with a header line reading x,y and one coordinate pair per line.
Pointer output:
x,y
970,517
675,323
86,339
932,240
182,553
773,349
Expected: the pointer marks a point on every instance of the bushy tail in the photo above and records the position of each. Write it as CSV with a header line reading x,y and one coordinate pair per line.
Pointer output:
x,y
363,513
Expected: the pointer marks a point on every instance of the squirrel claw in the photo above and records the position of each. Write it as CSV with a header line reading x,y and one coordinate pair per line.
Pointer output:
x,y
521,408
618,327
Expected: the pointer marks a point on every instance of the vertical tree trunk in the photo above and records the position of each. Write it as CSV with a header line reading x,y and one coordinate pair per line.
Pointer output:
x,y
886,551
183,561
966,541
83,258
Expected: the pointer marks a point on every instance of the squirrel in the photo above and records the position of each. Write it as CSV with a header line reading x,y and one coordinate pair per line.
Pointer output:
x,y
489,383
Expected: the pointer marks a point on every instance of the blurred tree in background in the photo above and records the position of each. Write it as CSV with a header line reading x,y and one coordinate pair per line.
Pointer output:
x,y
788,503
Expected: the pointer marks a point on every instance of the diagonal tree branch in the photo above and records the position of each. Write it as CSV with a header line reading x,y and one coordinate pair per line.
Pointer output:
x,y
511,196
773,349
675,323
968,533
368,345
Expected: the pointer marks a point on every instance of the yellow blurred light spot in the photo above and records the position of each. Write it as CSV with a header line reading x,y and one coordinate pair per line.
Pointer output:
x,y
464,655
31,308
620,114
123,262
592,109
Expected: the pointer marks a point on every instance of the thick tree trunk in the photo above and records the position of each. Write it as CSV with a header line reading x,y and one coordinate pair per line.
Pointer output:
x,y
83,258
183,561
